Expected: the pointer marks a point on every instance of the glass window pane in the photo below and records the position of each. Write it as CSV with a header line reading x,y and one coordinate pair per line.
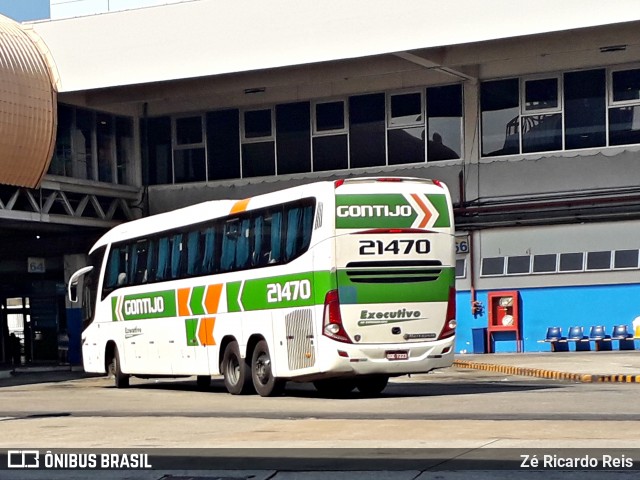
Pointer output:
x,y
61,162
461,268
493,266
541,133
258,159
330,153
124,148
406,145
105,137
156,155
500,111
519,264
571,262
626,259
598,260
257,124
544,263
584,94
626,85
541,94
293,134
188,130
82,141
330,116
366,124
223,144
406,109
624,125
189,165
444,122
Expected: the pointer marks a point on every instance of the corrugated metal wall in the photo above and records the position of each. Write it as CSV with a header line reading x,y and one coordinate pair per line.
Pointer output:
x,y
27,108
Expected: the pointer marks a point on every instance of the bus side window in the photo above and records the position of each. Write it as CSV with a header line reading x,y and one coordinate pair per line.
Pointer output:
x,y
243,244
164,255
194,253
152,260
276,237
209,254
138,262
176,255
299,227
229,242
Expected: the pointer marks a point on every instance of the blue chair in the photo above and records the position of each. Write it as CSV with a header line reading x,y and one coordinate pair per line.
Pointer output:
x,y
577,336
598,335
556,340
625,338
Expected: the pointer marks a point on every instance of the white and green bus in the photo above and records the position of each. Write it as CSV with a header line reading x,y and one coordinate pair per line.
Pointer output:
x,y
343,284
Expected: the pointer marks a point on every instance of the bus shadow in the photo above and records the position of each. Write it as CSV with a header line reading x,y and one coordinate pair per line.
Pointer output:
x,y
403,389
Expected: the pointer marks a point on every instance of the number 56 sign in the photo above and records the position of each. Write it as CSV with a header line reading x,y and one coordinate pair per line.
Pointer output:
x,y
462,244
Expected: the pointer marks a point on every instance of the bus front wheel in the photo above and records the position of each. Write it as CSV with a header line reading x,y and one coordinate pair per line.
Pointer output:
x,y
121,379
237,377
263,380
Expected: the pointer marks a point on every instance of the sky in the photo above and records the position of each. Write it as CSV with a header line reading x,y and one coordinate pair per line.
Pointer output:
x,y
26,10
23,10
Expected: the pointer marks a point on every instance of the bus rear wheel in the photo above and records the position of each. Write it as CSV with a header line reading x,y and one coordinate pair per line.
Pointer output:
x,y
237,378
121,379
263,380
372,384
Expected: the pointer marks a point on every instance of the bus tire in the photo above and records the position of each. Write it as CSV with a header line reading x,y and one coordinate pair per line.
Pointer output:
x,y
237,377
121,379
372,384
263,380
335,387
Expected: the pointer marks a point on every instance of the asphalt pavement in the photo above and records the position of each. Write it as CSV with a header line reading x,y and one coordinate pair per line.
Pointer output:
x,y
592,366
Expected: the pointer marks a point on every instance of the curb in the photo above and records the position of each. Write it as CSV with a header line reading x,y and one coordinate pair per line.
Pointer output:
x,y
550,374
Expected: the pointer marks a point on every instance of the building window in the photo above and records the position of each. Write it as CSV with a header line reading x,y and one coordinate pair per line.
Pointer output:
x,y
444,122
518,265
599,260
546,263
405,135
541,119
293,134
223,144
92,145
625,259
499,105
189,156
367,130
330,136
624,115
584,109
461,268
258,143
571,262
492,266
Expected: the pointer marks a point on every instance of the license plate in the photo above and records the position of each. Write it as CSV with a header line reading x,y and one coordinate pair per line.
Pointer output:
x,y
398,355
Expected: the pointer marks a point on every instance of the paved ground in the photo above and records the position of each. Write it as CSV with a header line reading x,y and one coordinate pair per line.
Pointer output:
x,y
610,366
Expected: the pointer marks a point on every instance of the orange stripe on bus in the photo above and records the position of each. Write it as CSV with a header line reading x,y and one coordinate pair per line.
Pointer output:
x,y
240,206
205,331
183,302
212,298
424,208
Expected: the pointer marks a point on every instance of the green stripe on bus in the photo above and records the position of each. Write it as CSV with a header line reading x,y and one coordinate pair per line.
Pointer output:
x,y
285,291
145,305
191,327
389,292
387,211
197,295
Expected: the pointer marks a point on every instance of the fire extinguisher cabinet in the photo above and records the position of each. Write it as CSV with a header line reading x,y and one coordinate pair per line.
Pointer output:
x,y
504,317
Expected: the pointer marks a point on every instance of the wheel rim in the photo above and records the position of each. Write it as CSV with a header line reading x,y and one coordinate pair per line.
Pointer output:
x,y
233,370
263,368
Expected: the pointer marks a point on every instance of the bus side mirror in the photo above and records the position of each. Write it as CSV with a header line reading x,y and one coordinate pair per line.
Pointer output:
x,y
72,289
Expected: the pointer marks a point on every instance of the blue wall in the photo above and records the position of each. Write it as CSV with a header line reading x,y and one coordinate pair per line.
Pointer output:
x,y
541,308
